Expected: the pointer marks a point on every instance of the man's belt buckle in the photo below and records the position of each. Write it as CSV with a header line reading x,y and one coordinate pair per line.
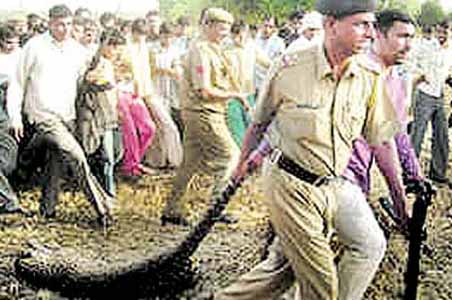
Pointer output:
x,y
275,156
322,180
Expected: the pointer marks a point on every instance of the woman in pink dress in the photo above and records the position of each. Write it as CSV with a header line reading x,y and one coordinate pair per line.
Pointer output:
x,y
138,128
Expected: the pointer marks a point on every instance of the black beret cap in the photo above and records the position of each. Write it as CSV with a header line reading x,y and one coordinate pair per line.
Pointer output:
x,y
342,8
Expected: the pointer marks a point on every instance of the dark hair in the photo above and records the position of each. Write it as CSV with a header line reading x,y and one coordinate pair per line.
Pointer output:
x,y
296,15
427,29
79,21
7,31
272,18
152,13
444,25
166,28
90,24
125,23
32,18
387,18
139,26
238,27
59,11
107,17
202,16
284,32
82,10
112,37
183,21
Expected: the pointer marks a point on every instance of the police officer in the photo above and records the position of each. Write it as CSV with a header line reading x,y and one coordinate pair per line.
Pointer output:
x,y
210,83
313,106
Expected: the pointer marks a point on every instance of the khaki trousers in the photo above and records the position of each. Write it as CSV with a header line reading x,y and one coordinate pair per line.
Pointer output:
x,y
209,149
302,215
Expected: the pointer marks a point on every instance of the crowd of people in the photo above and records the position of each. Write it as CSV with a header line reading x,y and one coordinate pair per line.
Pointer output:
x,y
105,95
315,100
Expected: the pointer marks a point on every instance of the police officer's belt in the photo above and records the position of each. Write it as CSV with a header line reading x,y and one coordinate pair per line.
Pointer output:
x,y
291,167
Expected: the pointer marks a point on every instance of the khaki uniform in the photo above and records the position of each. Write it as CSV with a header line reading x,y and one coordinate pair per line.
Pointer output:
x,y
315,119
208,145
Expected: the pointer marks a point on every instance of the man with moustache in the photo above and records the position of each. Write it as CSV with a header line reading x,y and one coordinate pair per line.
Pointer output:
x,y
313,128
44,89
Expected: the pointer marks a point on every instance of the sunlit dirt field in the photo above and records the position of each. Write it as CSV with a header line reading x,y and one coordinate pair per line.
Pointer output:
x,y
225,254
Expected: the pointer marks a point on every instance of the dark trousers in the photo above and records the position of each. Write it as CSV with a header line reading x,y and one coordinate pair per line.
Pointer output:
x,y
177,117
64,151
431,109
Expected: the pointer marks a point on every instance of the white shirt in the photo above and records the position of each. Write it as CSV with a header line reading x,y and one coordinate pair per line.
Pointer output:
x,y
141,69
434,62
273,47
303,43
8,63
181,43
167,58
46,80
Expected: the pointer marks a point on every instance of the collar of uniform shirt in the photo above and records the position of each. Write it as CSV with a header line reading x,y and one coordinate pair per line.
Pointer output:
x,y
348,68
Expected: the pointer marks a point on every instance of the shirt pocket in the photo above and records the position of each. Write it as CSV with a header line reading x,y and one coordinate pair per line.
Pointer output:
x,y
303,120
297,98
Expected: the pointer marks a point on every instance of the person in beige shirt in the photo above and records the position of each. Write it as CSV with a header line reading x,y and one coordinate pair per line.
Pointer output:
x,y
244,55
209,84
313,105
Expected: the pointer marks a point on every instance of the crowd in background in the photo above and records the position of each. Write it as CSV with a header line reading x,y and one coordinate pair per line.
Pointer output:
x,y
115,97
122,99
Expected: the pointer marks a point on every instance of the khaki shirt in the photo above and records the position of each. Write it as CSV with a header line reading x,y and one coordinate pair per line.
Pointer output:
x,y
141,69
207,67
244,60
316,118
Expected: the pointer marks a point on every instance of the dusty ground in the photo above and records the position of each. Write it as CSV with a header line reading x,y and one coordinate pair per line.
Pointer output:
x,y
228,252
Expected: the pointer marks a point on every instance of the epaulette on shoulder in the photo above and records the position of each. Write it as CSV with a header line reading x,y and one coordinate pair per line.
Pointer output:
x,y
300,57
294,59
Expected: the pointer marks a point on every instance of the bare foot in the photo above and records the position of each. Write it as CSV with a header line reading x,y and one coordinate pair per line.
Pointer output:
x,y
146,170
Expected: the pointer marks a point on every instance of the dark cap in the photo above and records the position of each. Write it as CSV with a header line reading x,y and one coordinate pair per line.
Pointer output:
x,y
342,8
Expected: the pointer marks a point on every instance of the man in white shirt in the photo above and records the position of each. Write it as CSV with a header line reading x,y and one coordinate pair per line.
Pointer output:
x,y
271,44
44,91
311,32
434,63
182,38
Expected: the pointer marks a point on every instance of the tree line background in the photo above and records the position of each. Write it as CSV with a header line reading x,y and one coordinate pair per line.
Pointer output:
x,y
429,12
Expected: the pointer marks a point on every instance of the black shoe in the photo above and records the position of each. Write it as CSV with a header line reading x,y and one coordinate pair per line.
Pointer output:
x,y
105,221
45,214
180,221
441,181
227,219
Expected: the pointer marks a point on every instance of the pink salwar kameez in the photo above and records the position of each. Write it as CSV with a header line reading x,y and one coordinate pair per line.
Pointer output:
x,y
138,131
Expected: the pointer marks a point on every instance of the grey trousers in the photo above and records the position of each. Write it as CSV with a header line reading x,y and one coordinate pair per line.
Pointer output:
x,y
357,230
65,150
428,108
